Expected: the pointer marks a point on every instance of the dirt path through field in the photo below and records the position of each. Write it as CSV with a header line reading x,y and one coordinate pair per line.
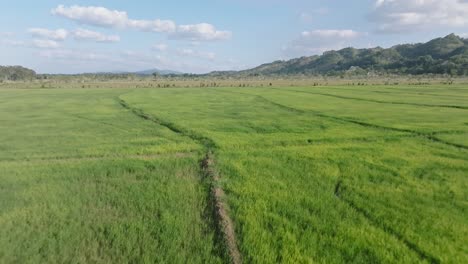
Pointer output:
x,y
224,224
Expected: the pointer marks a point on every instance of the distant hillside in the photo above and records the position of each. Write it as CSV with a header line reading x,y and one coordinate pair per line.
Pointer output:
x,y
16,73
448,55
160,72
142,73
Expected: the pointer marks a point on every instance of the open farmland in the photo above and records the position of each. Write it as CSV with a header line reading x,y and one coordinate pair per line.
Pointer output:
x,y
327,174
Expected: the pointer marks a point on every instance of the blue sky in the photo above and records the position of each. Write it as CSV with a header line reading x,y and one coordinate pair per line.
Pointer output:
x,y
199,36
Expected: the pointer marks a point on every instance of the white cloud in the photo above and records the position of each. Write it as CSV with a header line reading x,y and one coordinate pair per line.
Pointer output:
x,y
45,44
157,25
331,33
13,43
160,47
75,55
464,35
318,41
393,16
93,15
103,17
59,34
200,32
84,34
197,54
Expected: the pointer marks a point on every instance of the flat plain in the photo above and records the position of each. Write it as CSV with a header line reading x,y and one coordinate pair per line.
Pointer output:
x,y
323,174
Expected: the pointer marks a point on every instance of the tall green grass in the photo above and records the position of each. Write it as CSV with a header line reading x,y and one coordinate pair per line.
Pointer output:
x,y
337,174
314,178
83,180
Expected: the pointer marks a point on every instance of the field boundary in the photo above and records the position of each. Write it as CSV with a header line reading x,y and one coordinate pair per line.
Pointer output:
x,y
224,224
394,92
221,211
375,101
428,136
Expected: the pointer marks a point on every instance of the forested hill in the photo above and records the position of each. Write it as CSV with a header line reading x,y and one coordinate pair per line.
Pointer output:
x,y
448,55
16,73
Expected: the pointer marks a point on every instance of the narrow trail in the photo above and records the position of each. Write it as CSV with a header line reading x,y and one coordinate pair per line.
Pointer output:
x,y
428,136
423,255
224,225
376,101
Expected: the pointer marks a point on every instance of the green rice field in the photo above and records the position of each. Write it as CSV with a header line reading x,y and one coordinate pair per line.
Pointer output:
x,y
323,174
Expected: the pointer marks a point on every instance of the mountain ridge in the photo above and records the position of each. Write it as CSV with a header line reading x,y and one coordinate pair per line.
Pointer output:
x,y
446,55
158,71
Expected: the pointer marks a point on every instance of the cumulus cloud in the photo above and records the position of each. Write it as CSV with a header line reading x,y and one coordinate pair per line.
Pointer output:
x,y
66,54
318,41
45,44
12,43
58,35
92,15
393,16
103,17
331,33
85,34
200,32
153,26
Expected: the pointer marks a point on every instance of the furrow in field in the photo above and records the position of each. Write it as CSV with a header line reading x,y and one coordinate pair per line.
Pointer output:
x,y
224,223
96,158
376,101
429,136
285,144
379,224
448,88
450,132
202,140
395,91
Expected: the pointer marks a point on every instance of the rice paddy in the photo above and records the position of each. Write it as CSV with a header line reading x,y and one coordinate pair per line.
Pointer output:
x,y
324,174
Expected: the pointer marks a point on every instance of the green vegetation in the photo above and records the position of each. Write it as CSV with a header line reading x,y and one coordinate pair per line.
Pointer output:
x,y
448,55
440,57
16,73
84,180
337,174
